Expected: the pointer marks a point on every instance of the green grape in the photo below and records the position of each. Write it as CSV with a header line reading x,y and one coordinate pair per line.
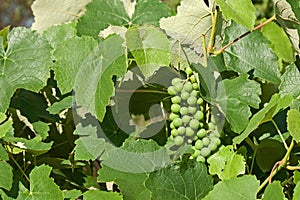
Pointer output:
x,y
184,110
192,100
200,101
185,119
194,124
215,119
205,152
178,140
215,140
172,91
188,71
189,141
172,125
211,126
176,99
200,158
201,108
173,116
195,138
195,86
212,146
205,141
175,81
201,124
201,133
185,95
175,108
192,109
178,87
181,130
196,153
189,131
194,93
198,144
193,78
174,132
199,115
177,122
188,87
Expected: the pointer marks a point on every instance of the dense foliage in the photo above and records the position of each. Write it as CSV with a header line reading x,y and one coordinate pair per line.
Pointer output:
x,y
134,100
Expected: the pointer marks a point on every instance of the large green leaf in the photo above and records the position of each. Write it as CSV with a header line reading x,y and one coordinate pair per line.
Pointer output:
x,y
93,82
25,63
241,11
241,188
41,186
226,163
293,120
3,154
235,99
53,12
240,57
98,194
265,114
296,191
6,175
101,13
187,180
274,192
192,20
149,47
70,56
290,81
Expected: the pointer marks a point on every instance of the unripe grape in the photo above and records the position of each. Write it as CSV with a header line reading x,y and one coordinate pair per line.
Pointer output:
x,y
192,109
181,130
175,81
177,122
172,125
192,100
188,71
175,108
205,152
215,140
185,119
199,115
200,101
189,141
178,140
200,158
193,78
194,124
211,126
185,95
215,119
173,116
189,131
196,154
213,146
195,86
198,144
174,132
184,110
205,141
194,93
201,133
171,90
176,99
188,87
178,87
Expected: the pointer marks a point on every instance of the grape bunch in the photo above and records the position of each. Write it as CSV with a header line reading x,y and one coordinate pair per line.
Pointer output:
x,y
192,121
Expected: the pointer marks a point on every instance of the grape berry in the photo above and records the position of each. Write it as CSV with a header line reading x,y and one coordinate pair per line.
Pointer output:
x,y
190,123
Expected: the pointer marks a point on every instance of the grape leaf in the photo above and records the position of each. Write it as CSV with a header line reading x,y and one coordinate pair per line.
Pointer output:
x,y
286,17
265,114
99,67
71,194
149,47
192,20
98,194
24,64
53,12
61,105
279,41
3,154
131,185
226,163
6,175
241,188
290,81
293,121
296,9
240,57
273,191
235,98
241,11
5,127
296,177
41,128
185,180
70,57
296,191
41,186
101,13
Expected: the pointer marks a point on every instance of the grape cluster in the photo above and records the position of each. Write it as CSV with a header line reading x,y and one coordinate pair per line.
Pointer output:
x,y
189,123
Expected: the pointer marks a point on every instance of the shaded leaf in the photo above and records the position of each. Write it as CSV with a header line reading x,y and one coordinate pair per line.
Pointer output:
x,y
290,81
241,188
226,163
63,104
241,11
24,64
185,180
274,191
293,121
240,57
